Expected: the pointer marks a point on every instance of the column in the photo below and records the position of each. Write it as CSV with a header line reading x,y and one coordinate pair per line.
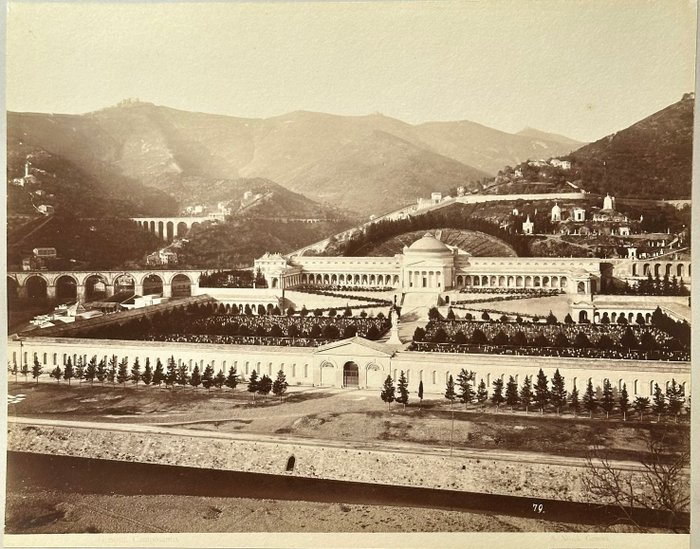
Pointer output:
x,y
22,291
80,292
51,292
168,290
138,288
109,290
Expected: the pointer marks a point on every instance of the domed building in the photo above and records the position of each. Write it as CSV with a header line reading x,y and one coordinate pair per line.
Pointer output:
x,y
428,264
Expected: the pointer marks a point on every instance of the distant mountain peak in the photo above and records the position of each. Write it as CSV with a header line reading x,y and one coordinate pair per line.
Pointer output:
x,y
528,131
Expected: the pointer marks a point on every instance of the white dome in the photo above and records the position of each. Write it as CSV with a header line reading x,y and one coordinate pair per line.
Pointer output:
x,y
429,244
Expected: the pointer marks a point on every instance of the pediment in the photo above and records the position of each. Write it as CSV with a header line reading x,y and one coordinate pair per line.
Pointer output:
x,y
356,346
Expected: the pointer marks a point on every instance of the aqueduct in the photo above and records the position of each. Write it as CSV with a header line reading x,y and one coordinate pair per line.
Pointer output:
x,y
168,228
63,286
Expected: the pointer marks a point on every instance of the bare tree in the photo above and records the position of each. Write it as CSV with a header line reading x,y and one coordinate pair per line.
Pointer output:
x,y
662,483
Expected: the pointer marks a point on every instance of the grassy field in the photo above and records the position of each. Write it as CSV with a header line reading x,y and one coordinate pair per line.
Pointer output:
x,y
345,415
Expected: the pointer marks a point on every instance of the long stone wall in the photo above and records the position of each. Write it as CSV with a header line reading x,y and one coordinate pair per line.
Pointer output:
x,y
324,366
473,472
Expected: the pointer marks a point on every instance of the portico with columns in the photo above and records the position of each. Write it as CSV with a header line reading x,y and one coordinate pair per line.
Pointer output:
x,y
429,265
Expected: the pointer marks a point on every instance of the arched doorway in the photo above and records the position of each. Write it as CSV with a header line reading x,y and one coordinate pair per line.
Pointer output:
x,y
583,316
95,288
66,289
36,289
181,286
351,375
124,284
152,284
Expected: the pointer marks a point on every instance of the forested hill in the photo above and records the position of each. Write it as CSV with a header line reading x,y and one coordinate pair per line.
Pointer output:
x,y
650,159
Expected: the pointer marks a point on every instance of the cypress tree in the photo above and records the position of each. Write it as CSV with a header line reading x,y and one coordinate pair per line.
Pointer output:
x,y
37,369
56,374
91,370
195,379
158,374
208,377
482,394
147,376
624,402
658,405
558,394
135,371
512,398
264,386
641,405
123,371
279,386
388,393
420,393
607,403
101,371
112,369
466,393
171,372
526,393
68,371
253,383
450,390
182,377
590,402
497,395
574,402
402,388
674,395
542,395
79,369
232,378
219,379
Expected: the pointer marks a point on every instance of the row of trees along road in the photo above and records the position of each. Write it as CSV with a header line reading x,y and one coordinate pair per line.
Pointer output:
x,y
114,371
117,371
544,397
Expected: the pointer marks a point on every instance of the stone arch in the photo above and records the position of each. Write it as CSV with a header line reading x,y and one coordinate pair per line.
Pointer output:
x,y
373,374
545,282
152,227
161,229
563,281
528,282
152,284
181,229
351,374
169,231
124,283
680,270
36,288
460,281
645,269
327,378
669,266
180,285
66,288
519,282
582,316
95,287
501,281
634,269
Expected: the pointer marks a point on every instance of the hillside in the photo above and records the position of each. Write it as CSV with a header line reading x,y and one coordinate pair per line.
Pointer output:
x,y
367,164
239,241
475,243
650,159
70,189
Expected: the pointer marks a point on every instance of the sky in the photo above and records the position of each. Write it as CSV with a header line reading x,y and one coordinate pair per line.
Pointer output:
x,y
582,68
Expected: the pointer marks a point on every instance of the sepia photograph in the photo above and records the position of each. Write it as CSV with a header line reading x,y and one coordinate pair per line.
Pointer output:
x,y
348,274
